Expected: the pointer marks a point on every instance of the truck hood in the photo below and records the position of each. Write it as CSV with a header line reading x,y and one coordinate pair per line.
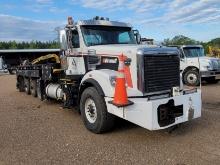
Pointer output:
x,y
128,50
208,58
204,59
212,62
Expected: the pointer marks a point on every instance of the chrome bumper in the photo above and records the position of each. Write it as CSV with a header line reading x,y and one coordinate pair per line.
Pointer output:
x,y
210,74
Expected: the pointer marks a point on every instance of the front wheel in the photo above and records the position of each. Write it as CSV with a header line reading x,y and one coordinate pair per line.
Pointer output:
x,y
20,84
191,78
94,112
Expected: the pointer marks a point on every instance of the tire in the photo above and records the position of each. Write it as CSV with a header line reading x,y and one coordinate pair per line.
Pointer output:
x,y
211,80
27,86
33,87
21,86
191,78
39,90
94,112
12,71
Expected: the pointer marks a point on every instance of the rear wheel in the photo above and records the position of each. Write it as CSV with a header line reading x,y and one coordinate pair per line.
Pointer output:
x,y
12,71
27,85
94,112
21,86
191,78
33,87
39,90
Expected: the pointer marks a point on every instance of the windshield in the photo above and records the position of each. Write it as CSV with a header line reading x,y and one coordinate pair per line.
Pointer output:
x,y
104,35
194,52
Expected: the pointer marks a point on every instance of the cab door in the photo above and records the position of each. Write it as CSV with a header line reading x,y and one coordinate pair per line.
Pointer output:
x,y
75,60
183,61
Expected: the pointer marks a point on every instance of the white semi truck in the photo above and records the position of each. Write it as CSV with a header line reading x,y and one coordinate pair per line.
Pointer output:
x,y
194,63
85,71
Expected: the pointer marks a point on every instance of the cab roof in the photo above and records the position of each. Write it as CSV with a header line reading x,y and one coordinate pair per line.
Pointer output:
x,y
186,46
103,23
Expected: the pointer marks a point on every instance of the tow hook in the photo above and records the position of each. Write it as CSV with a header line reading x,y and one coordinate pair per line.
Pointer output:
x,y
191,110
190,113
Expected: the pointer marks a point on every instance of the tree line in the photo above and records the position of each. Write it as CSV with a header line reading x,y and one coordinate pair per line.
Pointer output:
x,y
177,40
183,40
29,45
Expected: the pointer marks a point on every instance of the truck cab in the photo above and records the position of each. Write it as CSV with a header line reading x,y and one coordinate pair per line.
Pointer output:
x,y
194,62
89,68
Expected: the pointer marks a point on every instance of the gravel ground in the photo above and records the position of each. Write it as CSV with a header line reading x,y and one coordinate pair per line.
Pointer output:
x,y
35,132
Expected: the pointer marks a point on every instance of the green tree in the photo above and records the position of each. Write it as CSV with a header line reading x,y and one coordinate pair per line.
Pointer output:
x,y
13,45
29,45
180,40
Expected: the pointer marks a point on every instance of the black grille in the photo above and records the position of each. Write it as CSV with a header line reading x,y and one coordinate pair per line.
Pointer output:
x,y
161,72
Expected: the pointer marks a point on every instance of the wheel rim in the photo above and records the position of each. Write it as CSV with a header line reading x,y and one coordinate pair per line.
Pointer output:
x,y
90,110
192,78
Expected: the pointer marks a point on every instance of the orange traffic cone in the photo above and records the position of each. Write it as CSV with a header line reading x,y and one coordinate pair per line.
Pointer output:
x,y
127,72
120,96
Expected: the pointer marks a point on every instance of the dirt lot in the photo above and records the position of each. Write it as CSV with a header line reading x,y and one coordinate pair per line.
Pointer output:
x,y
35,132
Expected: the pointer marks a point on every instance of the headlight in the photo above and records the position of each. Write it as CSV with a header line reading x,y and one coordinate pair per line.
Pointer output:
x,y
206,65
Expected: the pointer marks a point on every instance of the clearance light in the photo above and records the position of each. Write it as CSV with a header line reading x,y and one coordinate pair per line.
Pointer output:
x,y
100,18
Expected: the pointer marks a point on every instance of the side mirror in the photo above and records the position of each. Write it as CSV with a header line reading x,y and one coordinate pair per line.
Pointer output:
x,y
93,59
63,40
137,36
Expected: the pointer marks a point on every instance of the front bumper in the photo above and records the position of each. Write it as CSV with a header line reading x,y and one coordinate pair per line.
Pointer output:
x,y
144,112
206,74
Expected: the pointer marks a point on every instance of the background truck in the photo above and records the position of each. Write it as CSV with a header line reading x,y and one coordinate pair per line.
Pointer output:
x,y
86,72
192,58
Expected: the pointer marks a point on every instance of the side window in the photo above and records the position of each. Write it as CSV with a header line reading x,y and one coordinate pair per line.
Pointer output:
x,y
75,39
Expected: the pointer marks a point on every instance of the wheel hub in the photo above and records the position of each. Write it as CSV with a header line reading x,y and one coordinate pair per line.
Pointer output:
x,y
90,110
192,78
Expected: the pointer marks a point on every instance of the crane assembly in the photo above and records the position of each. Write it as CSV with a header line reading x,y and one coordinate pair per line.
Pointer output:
x,y
214,51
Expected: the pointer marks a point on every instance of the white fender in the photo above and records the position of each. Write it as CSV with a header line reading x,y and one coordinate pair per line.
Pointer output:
x,y
103,77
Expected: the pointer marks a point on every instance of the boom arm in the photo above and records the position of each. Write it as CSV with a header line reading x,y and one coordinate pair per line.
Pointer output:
x,y
214,52
47,57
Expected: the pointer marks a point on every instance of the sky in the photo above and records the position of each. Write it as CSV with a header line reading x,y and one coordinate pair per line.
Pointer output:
x,y
27,20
